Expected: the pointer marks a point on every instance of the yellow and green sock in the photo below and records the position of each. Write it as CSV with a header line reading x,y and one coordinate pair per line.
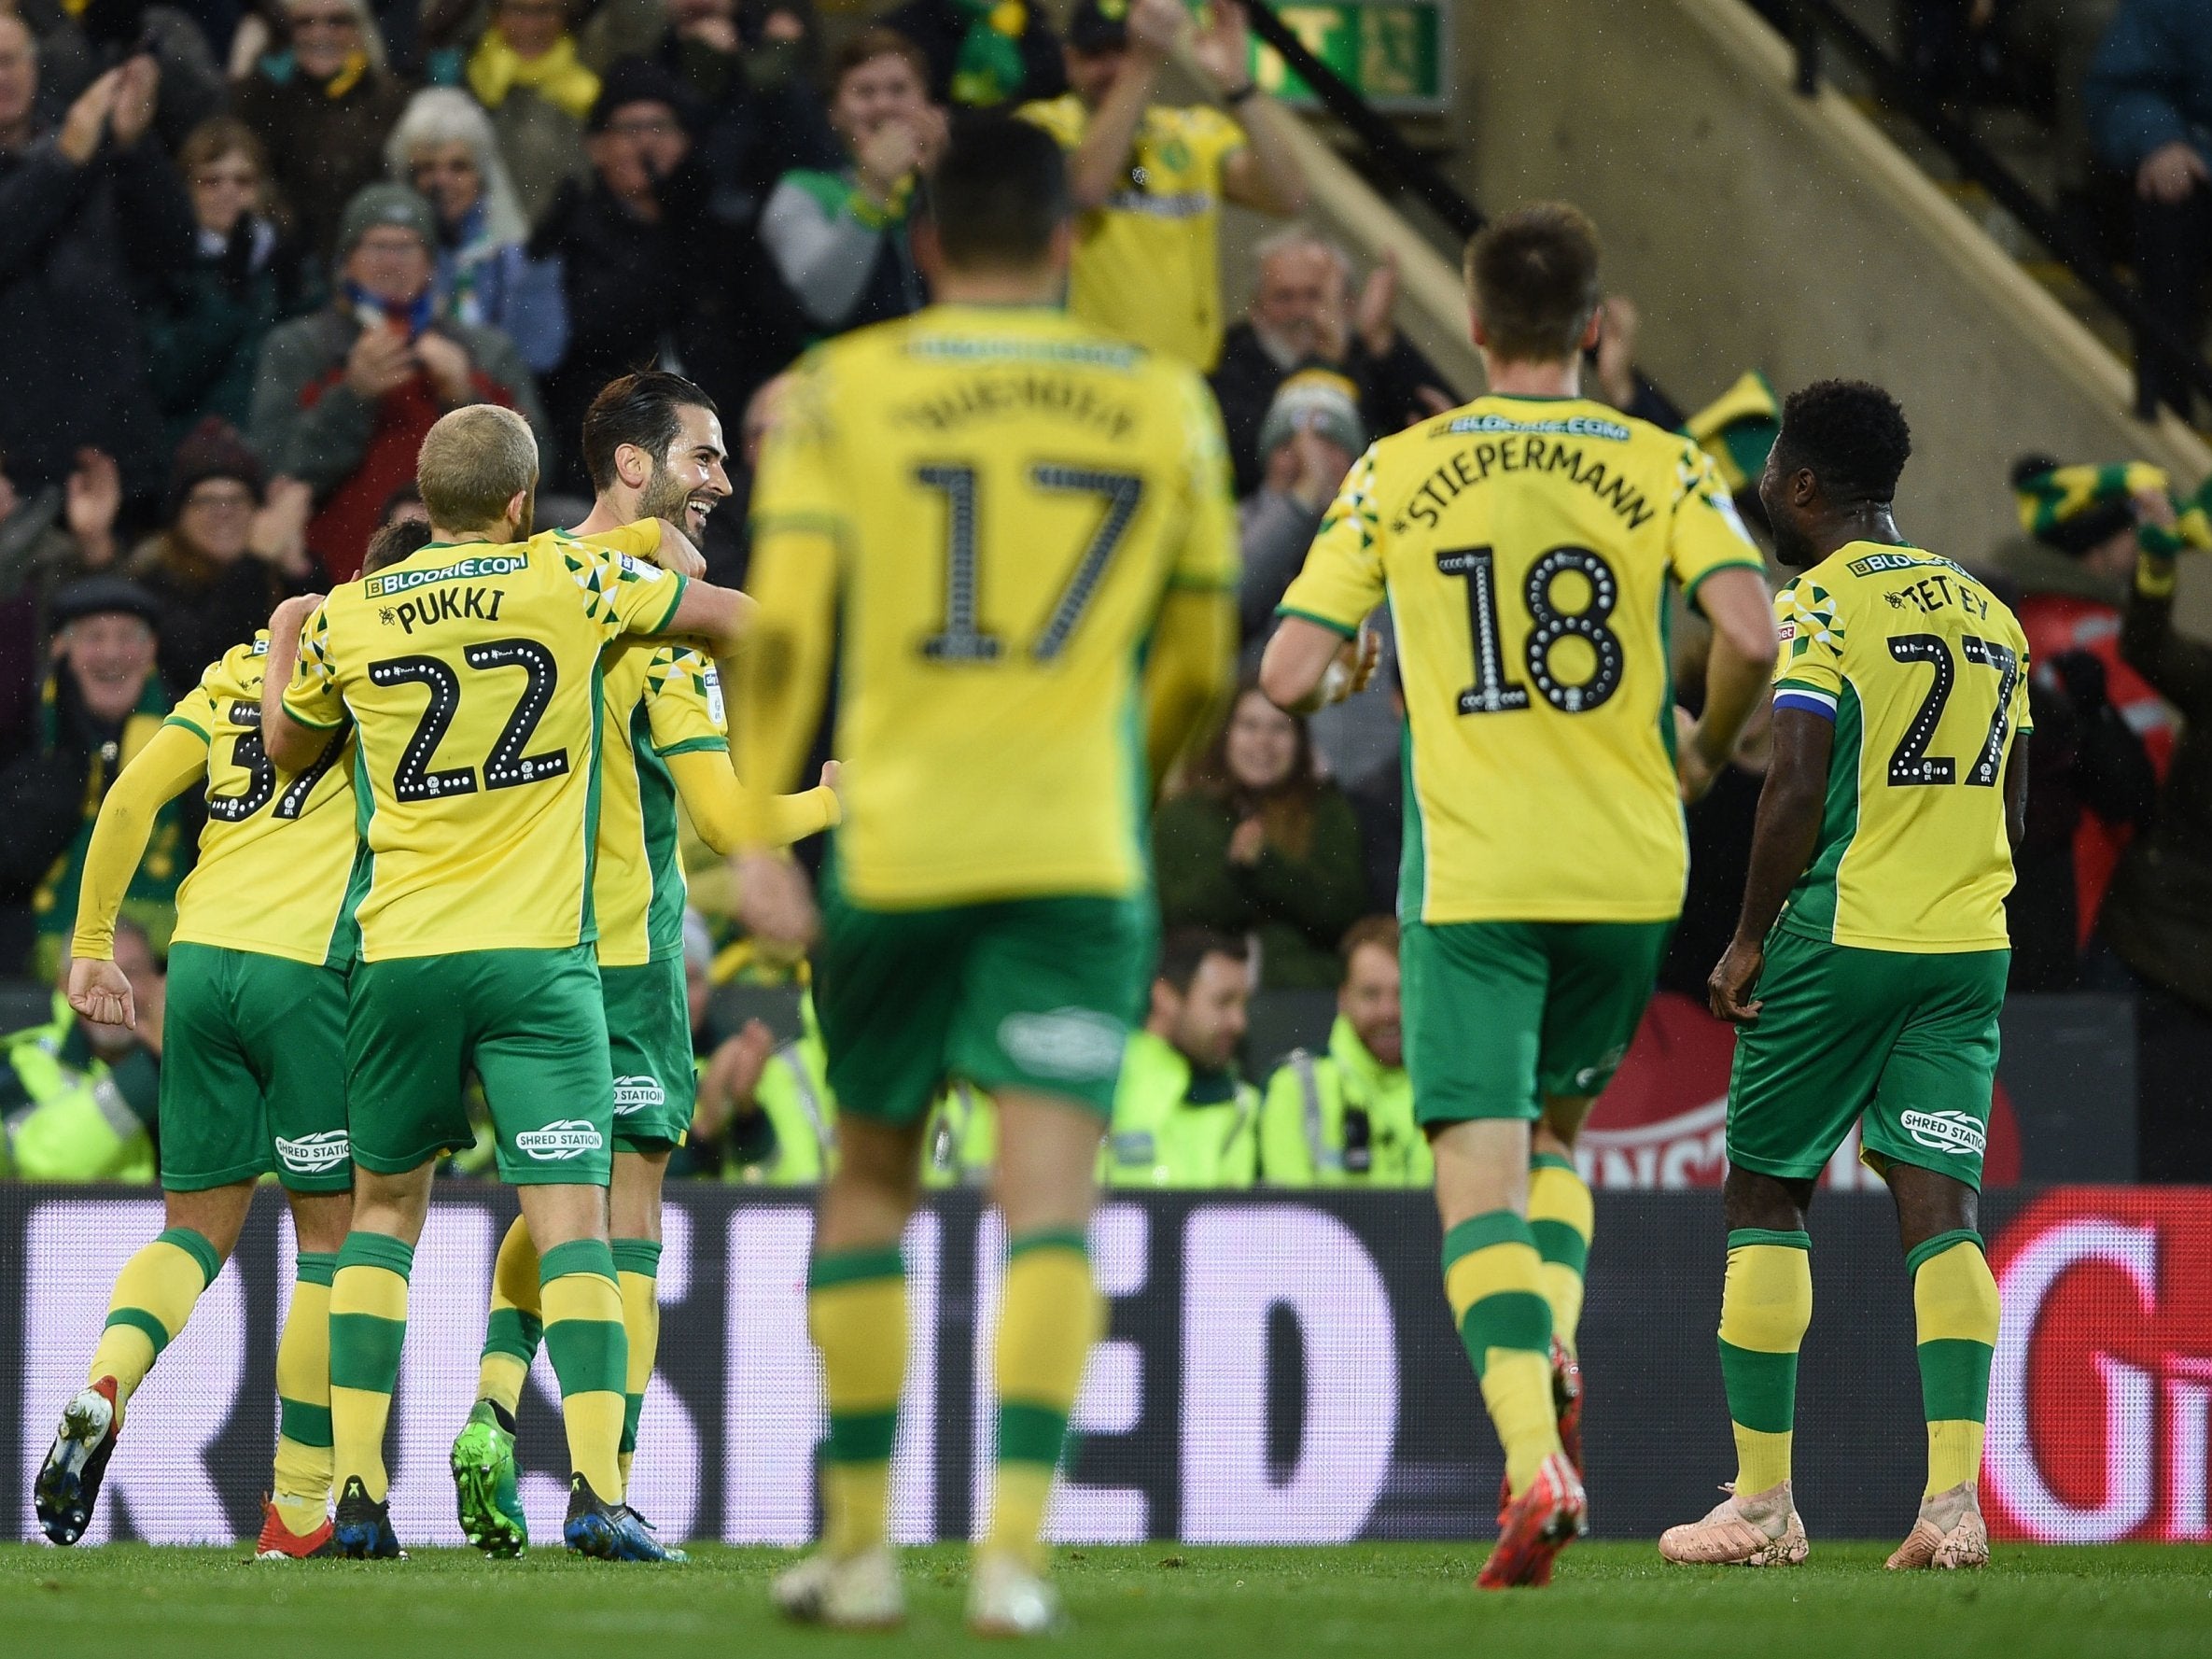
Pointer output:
x,y
154,1295
1562,1217
1955,1306
590,1354
302,1487
856,1311
1047,1323
515,1326
1494,1279
1765,1309
368,1328
637,1263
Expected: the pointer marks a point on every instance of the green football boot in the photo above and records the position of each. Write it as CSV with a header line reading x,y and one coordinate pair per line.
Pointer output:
x,y
483,1485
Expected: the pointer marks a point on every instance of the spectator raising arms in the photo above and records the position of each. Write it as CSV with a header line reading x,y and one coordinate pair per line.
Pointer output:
x,y
205,332
1149,181
101,704
230,556
90,210
79,40
2149,103
840,238
346,395
321,109
750,72
1303,315
1262,844
444,147
526,72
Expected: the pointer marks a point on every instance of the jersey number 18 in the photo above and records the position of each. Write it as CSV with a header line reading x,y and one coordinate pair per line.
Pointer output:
x,y
1496,691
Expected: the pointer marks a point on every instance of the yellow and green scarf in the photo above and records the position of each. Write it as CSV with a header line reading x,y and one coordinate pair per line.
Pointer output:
x,y
558,75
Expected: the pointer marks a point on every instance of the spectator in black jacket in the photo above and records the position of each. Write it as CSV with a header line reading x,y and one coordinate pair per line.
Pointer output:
x,y
232,551
1303,315
101,704
84,212
653,274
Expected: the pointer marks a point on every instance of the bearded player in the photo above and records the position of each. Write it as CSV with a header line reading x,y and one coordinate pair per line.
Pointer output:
x,y
653,444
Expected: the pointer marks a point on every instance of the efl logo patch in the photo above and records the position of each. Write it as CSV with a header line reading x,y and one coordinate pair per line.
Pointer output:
x,y
712,679
633,1094
572,1137
314,1155
1071,1043
398,581
1945,1132
638,568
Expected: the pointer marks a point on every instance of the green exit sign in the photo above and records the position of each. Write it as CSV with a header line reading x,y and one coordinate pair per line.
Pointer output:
x,y
1395,53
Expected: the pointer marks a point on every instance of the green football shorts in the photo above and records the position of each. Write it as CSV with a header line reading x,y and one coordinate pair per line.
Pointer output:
x,y
1021,993
649,1035
530,1023
1902,1043
1501,1015
252,1072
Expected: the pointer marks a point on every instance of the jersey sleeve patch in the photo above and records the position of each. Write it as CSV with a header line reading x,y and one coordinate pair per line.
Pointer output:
x,y
312,699
1342,579
683,701
1808,630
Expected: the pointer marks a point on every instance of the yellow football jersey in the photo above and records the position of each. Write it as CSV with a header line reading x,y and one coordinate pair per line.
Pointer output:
x,y
1147,265
985,507
472,674
657,700
1526,547
1925,674
278,845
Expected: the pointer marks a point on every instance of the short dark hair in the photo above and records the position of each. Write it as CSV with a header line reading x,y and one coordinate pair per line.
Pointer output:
x,y
637,409
1368,930
998,193
1185,948
1533,279
874,42
1849,434
394,541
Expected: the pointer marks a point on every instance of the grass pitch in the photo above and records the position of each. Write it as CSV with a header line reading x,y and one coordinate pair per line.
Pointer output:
x,y
1615,1601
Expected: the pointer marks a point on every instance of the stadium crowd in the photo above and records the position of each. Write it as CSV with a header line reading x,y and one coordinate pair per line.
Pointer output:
x,y
254,252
